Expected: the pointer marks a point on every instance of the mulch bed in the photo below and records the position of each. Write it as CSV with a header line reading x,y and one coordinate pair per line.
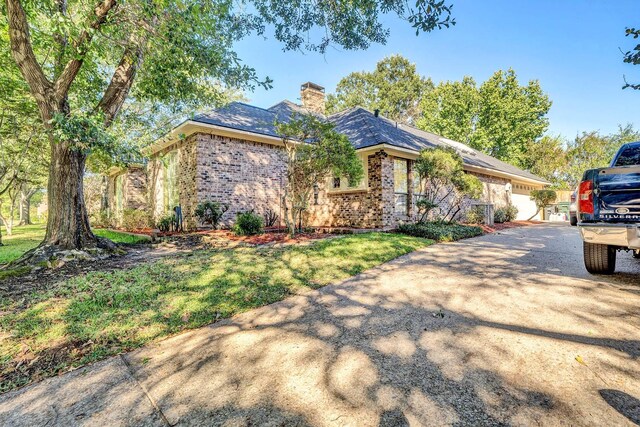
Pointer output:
x,y
506,225
224,237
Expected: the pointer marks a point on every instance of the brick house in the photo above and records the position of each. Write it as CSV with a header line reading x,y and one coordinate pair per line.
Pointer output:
x,y
235,156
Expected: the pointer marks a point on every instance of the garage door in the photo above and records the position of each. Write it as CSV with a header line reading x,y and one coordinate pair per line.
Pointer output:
x,y
526,206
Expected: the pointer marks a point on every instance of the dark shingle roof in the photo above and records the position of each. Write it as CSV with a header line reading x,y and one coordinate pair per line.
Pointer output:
x,y
361,126
365,130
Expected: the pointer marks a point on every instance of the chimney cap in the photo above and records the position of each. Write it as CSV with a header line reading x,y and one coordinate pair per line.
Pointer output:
x,y
310,85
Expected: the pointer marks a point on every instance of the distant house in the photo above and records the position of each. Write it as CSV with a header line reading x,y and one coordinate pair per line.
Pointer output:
x,y
235,156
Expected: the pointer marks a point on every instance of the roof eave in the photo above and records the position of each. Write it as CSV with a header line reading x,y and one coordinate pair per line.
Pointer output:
x,y
413,154
189,127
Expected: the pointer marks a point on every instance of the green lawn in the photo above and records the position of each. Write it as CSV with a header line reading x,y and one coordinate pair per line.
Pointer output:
x,y
103,313
22,239
28,236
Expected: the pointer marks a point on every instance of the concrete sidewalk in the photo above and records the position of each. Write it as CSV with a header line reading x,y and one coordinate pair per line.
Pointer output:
x,y
505,329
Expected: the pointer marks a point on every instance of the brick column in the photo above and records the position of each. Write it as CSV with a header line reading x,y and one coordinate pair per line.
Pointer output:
x,y
411,207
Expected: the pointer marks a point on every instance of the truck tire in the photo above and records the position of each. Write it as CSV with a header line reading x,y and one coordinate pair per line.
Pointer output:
x,y
573,220
599,259
636,254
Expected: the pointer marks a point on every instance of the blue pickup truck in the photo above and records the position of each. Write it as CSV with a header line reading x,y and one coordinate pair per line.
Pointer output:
x,y
608,210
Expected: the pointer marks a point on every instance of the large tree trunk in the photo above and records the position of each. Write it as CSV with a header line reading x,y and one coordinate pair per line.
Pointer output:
x,y
26,194
68,222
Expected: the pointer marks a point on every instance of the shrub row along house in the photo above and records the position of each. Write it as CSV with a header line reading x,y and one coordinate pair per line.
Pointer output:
x,y
235,156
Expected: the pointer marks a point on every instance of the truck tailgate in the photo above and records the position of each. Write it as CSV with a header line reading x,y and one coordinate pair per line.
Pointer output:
x,y
618,194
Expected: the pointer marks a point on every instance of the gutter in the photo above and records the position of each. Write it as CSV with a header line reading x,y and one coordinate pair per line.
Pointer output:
x,y
189,127
413,154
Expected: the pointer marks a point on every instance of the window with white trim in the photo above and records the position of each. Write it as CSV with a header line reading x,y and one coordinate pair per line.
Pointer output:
x,y
337,184
401,185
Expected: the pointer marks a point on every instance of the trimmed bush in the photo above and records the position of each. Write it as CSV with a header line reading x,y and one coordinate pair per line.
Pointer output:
x,y
512,212
440,231
475,215
134,219
166,222
500,215
505,214
248,223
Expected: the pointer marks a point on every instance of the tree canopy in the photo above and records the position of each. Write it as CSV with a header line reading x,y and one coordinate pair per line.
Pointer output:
x,y
394,87
632,56
500,117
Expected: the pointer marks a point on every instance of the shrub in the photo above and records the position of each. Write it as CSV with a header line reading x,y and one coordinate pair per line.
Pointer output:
x,y
500,215
101,220
270,218
512,212
248,223
505,214
166,223
440,231
475,215
211,213
133,219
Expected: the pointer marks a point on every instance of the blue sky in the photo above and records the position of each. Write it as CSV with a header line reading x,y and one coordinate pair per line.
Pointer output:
x,y
571,46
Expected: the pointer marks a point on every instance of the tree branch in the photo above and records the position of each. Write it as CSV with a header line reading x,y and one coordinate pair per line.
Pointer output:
x,y
120,83
22,51
63,82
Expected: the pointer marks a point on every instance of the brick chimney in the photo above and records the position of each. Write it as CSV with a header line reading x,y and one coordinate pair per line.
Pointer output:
x,y
312,96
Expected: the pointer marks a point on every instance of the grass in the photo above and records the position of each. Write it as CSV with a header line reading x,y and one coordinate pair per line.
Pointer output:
x,y
122,238
29,236
103,313
23,238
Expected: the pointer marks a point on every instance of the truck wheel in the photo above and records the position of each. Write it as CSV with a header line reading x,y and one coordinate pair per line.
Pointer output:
x,y
636,254
573,220
599,259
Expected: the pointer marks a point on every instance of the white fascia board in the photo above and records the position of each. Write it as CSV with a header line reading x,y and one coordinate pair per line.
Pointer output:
x,y
190,127
410,154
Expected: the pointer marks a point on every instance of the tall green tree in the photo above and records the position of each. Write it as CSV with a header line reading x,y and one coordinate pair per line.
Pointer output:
x,y
547,158
588,150
82,59
394,87
500,118
451,110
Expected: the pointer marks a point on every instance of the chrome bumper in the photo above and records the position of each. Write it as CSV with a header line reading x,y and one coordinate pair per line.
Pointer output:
x,y
627,236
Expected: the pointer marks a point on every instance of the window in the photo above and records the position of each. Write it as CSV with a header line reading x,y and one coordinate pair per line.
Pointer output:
x,y
343,184
400,185
629,157
170,181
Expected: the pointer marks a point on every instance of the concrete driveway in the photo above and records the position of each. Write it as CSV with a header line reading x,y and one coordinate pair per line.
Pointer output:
x,y
505,329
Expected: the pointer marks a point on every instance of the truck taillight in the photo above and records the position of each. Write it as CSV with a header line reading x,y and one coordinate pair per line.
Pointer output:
x,y
585,197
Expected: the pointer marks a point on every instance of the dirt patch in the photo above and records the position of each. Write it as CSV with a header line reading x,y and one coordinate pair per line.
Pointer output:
x,y
507,225
29,367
